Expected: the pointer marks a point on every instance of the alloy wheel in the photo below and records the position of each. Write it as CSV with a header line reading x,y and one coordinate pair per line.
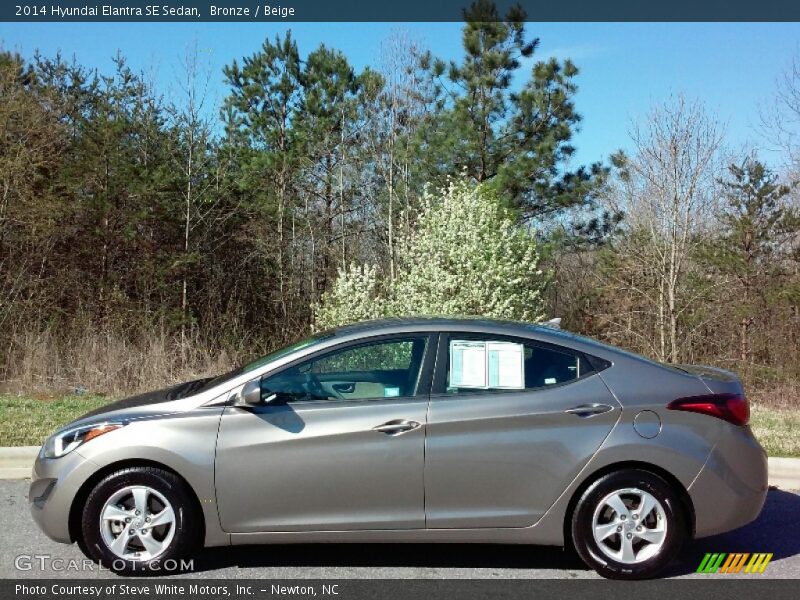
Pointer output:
x,y
137,523
629,526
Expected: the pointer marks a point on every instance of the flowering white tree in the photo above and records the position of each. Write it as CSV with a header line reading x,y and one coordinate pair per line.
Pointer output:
x,y
466,256
355,296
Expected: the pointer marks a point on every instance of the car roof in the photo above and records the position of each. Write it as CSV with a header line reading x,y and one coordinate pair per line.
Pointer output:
x,y
481,325
434,322
325,340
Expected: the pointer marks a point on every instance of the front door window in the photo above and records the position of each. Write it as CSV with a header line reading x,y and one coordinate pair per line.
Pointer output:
x,y
388,368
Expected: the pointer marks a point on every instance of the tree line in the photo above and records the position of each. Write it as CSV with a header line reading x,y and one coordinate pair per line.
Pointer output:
x,y
144,238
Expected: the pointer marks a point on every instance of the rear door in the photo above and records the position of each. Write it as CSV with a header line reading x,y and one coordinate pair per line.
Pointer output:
x,y
511,423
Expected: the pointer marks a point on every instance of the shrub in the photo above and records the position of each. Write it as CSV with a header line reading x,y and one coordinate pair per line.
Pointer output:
x,y
467,256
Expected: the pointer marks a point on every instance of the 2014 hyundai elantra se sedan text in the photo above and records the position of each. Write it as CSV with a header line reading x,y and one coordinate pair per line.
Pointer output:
x,y
416,430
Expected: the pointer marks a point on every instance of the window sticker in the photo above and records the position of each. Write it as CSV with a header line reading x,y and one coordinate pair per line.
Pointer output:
x,y
506,367
391,392
483,365
467,364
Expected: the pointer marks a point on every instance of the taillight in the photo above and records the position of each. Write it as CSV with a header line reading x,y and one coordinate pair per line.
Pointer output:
x,y
733,408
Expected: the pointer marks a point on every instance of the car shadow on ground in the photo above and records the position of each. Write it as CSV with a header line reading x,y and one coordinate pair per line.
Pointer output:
x,y
777,530
405,555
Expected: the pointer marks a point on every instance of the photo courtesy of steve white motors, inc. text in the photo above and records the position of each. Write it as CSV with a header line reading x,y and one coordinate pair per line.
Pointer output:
x,y
155,11
173,589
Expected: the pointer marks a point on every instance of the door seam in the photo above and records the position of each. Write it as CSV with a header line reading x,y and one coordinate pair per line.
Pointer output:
x,y
425,432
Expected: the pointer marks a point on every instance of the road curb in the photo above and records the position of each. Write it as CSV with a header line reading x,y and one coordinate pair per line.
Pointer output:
x,y
17,462
784,472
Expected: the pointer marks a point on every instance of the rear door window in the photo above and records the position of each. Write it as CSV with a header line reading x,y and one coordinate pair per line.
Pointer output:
x,y
478,364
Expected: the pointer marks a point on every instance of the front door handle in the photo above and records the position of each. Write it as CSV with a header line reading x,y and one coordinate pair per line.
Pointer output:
x,y
396,427
589,410
344,388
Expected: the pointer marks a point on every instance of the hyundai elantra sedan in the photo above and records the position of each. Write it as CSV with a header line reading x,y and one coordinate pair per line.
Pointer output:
x,y
413,430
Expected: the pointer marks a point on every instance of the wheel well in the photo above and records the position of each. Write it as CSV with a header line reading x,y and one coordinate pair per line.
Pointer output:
x,y
83,493
685,499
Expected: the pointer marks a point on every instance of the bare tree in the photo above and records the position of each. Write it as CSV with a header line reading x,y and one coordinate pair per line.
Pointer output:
x,y
667,190
193,131
394,117
780,115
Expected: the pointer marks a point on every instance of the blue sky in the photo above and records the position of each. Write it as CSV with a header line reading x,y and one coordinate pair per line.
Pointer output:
x,y
625,68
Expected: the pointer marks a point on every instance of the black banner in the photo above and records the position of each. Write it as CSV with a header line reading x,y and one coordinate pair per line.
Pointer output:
x,y
377,10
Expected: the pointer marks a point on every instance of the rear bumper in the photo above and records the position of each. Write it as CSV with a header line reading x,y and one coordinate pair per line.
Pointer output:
x,y
731,488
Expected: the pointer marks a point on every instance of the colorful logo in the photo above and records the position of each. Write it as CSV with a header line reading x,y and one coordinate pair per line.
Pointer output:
x,y
722,562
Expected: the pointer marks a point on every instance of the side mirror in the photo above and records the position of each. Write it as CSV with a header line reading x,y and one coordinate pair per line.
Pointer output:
x,y
251,393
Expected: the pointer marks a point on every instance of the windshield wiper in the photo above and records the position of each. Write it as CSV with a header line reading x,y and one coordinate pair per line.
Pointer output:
x,y
186,389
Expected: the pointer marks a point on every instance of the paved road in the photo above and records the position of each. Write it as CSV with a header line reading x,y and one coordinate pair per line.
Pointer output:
x,y
776,531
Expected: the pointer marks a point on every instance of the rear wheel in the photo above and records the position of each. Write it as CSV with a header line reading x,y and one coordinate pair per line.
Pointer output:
x,y
628,525
136,519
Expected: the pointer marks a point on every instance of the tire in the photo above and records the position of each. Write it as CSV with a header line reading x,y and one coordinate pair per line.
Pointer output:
x,y
140,543
622,544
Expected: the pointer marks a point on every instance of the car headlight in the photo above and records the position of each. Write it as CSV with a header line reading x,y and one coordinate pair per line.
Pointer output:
x,y
65,442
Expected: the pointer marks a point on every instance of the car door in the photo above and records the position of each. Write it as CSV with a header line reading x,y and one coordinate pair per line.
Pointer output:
x,y
503,445
339,446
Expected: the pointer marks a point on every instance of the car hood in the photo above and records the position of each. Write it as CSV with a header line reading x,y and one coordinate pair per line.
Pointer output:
x,y
142,405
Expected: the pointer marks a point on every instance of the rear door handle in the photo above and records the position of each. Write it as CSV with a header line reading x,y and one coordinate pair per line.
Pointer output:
x,y
396,427
589,410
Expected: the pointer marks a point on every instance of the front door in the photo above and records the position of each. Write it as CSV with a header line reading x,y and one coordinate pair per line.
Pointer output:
x,y
339,446
501,446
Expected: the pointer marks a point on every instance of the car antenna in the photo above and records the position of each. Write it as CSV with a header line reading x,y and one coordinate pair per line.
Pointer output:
x,y
553,323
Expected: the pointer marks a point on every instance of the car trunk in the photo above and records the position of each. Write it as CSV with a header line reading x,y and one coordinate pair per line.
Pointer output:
x,y
718,381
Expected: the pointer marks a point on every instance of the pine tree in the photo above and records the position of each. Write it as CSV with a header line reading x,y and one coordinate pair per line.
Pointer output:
x,y
518,141
261,113
757,220
330,127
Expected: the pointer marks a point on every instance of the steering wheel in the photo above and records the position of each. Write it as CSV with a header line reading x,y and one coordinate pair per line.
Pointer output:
x,y
314,387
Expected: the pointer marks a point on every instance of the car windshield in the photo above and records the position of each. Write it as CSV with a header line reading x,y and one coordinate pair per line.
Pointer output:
x,y
260,362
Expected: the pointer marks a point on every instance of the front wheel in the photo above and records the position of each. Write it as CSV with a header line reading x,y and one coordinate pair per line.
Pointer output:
x,y
629,525
137,519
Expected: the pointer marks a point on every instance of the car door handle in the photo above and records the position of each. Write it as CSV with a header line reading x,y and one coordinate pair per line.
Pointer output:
x,y
344,388
589,410
396,427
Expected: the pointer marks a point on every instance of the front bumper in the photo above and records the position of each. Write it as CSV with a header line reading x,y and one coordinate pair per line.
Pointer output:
x,y
730,490
54,484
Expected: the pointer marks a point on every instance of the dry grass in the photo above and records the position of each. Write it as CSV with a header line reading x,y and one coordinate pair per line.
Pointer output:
x,y
778,430
775,417
43,363
781,396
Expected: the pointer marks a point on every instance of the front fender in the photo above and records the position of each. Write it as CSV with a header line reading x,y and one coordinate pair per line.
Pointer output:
x,y
184,442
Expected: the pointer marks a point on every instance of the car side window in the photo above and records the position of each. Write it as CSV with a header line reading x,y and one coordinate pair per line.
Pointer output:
x,y
382,369
487,364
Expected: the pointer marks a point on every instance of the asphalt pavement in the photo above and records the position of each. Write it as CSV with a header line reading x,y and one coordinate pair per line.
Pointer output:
x,y
22,547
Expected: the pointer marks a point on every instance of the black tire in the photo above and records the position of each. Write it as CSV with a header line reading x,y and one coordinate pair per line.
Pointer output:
x,y
187,523
582,525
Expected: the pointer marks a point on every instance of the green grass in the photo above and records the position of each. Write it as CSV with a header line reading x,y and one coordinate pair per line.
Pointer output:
x,y
26,421
778,430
